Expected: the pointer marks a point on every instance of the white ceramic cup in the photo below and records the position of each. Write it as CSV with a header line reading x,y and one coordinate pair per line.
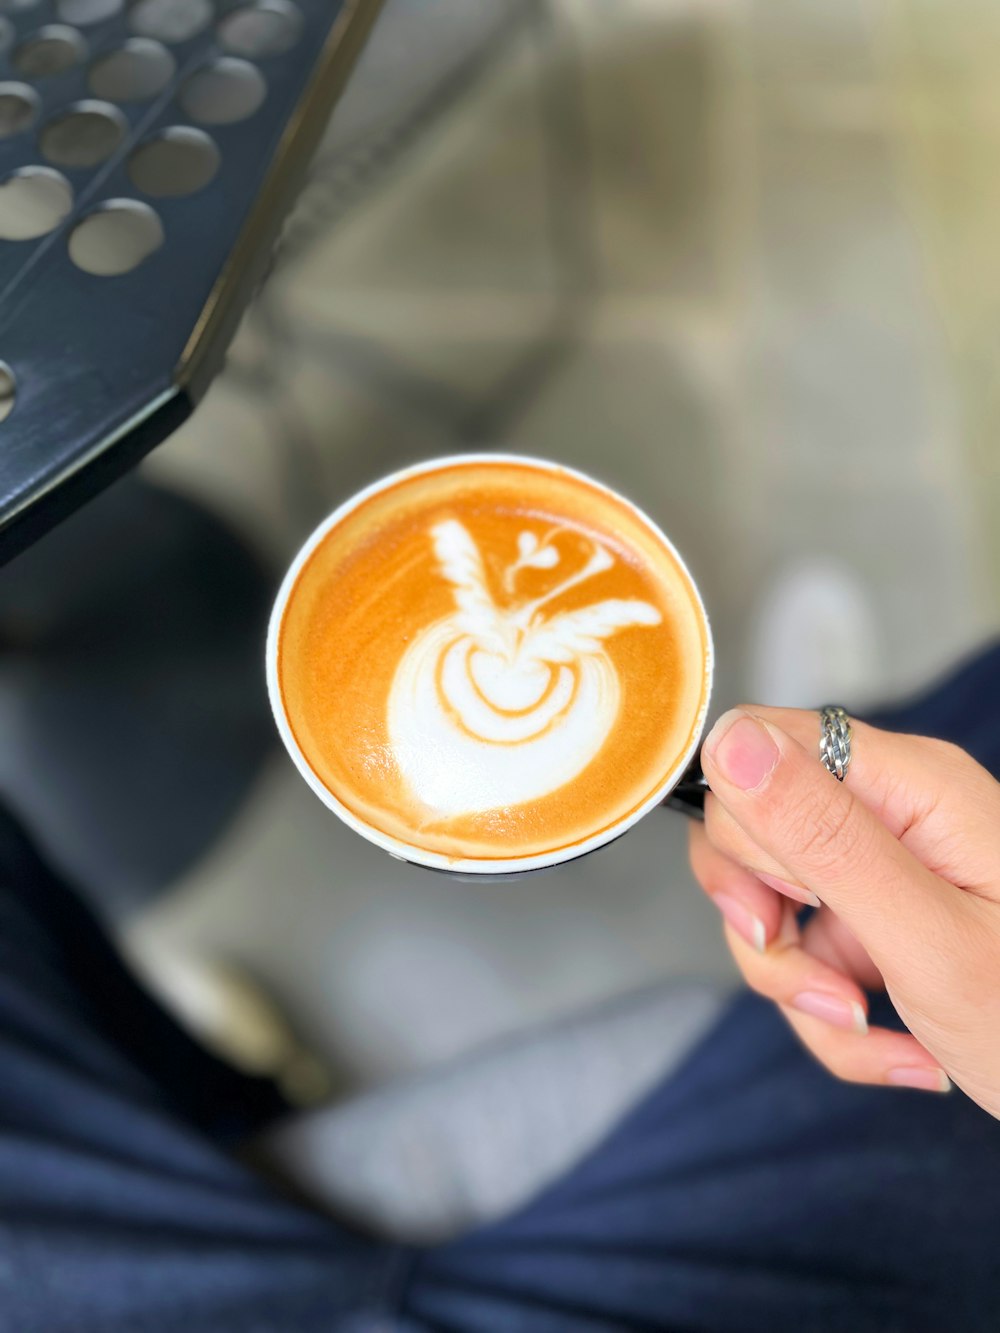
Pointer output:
x,y
513,866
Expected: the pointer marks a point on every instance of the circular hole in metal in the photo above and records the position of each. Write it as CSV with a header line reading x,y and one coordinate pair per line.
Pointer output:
x,y
135,73
115,238
8,390
170,20
83,135
33,201
18,108
50,50
87,11
266,28
177,161
224,92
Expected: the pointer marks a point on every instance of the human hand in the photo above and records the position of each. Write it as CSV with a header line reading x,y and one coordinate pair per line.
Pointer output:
x,y
904,858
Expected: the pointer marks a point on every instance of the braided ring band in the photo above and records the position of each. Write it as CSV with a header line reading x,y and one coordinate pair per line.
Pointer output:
x,y
835,742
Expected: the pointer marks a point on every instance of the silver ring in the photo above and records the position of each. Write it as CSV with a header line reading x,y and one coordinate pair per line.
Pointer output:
x,y
835,742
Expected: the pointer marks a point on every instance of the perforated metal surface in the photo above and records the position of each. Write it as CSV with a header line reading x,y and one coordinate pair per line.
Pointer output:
x,y
148,151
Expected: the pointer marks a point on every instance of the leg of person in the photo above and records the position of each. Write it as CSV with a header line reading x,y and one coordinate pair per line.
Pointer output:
x,y
964,708
750,1192
753,1191
429,1157
120,1206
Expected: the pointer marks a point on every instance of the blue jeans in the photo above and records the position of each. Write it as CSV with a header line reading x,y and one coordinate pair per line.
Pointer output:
x,y
749,1191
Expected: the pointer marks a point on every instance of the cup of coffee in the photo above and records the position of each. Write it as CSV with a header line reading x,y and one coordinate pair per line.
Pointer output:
x,y
489,664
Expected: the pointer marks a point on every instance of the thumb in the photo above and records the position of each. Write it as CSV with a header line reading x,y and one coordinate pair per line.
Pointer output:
x,y
820,832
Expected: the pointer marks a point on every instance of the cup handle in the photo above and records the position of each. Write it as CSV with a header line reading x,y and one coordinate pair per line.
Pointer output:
x,y
689,795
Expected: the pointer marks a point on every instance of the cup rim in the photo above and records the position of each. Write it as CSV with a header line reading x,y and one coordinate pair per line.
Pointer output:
x,y
409,852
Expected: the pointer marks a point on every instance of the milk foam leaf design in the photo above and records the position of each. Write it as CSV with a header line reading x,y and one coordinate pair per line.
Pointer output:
x,y
571,634
493,706
461,564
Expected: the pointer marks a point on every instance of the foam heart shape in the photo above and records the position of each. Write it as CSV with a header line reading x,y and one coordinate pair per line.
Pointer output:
x,y
460,754
511,687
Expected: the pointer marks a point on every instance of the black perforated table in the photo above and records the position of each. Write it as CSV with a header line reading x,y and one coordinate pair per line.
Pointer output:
x,y
148,154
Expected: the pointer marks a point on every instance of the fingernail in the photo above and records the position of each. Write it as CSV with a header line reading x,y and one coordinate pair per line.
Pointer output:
x,y
742,920
929,1080
831,1009
743,749
789,890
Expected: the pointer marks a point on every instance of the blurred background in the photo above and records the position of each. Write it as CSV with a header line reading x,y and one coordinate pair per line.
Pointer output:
x,y
736,257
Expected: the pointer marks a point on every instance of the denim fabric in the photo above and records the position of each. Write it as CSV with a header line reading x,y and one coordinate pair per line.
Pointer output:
x,y
750,1191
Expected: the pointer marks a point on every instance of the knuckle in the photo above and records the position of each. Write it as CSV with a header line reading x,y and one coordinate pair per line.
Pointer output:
x,y
841,1063
826,831
757,978
946,753
847,1071
958,769
955,767
758,985
832,1059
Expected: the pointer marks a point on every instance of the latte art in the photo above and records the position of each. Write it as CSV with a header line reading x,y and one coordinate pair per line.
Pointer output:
x,y
494,706
489,663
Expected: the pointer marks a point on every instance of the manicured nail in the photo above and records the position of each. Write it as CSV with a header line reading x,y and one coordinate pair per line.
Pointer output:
x,y
789,890
742,920
742,749
930,1080
831,1009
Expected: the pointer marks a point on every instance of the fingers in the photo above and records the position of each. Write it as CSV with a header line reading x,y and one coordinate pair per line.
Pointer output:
x,y
829,1014
755,911
817,976
749,906
727,837
820,832
785,973
890,774
880,1056
827,938
883,851
928,793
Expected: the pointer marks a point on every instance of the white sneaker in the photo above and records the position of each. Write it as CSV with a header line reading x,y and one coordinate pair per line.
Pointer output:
x,y
816,639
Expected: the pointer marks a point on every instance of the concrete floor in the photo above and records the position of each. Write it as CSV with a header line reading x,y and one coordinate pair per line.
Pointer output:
x,y
678,245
